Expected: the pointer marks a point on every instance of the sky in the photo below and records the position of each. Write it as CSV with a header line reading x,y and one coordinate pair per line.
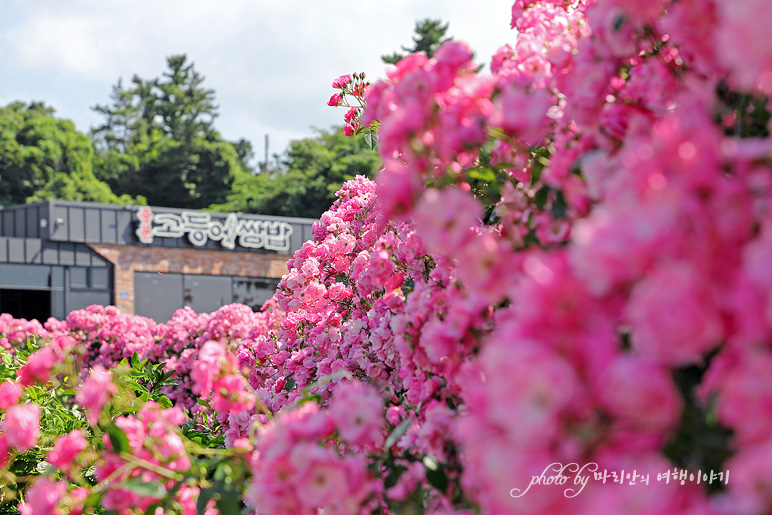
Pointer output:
x,y
270,63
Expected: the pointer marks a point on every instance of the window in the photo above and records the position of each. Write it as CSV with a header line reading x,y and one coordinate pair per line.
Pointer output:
x,y
253,291
157,296
78,277
35,276
206,293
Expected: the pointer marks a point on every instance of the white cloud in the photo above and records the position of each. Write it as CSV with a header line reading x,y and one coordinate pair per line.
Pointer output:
x,y
270,62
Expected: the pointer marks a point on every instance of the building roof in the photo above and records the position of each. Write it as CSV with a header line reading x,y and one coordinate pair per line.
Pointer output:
x,y
89,222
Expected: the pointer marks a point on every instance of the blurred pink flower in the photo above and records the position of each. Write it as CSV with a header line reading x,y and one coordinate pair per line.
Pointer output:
x,y
22,426
95,392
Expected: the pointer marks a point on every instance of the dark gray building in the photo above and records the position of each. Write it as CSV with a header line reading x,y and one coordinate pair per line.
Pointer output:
x,y
58,256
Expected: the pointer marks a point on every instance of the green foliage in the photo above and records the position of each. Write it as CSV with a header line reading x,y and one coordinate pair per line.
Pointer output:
x,y
58,416
158,141
42,157
741,114
429,35
148,380
220,473
700,442
310,172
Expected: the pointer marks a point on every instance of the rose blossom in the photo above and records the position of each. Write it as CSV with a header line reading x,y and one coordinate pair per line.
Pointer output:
x,y
22,426
10,392
66,449
95,392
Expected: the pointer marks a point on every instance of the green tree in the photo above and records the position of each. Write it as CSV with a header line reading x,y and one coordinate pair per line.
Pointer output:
x,y
429,35
309,173
159,141
42,157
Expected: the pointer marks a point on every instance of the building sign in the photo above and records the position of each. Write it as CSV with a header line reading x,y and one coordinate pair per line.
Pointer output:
x,y
199,226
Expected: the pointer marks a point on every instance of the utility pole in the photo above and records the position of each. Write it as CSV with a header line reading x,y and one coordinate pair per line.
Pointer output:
x,y
266,154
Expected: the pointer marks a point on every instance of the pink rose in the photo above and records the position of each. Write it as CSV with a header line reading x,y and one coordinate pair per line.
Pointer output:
x,y
357,411
10,392
674,319
4,450
66,449
445,219
43,497
206,367
230,396
38,367
22,426
95,392
341,81
641,395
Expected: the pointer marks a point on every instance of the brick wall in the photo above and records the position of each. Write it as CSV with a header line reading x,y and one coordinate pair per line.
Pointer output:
x,y
127,259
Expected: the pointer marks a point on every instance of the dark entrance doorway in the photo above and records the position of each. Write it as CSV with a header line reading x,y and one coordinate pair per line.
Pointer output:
x,y
26,304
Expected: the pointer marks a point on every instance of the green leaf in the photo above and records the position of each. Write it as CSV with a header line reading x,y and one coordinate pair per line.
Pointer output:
x,y
227,500
395,435
540,198
203,403
203,499
144,489
371,139
436,476
45,468
483,174
166,501
92,501
118,439
290,384
309,397
559,206
394,474
221,471
536,170
135,360
229,504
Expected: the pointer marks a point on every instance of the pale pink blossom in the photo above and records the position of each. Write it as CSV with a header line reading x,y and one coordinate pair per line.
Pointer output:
x,y
10,392
39,366
43,497
95,392
357,411
230,395
673,318
66,449
22,426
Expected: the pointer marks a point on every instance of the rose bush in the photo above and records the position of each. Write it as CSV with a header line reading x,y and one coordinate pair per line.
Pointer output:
x,y
564,260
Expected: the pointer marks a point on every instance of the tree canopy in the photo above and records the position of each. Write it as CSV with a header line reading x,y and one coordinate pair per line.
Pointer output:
x,y
158,141
158,145
309,173
429,35
42,157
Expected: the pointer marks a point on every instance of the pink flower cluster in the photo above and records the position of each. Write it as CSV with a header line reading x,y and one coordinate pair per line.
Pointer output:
x,y
297,468
564,260
155,448
217,371
352,89
106,336
153,438
651,224
14,331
